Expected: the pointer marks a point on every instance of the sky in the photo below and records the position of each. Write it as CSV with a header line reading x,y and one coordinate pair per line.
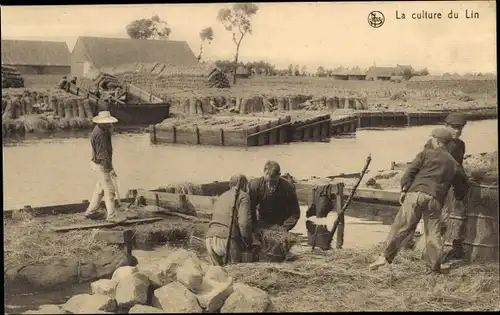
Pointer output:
x,y
311,34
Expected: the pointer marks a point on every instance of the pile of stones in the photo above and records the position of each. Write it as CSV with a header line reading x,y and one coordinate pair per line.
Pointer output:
x,y
179,283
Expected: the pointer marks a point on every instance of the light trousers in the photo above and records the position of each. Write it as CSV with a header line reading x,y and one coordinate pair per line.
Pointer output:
x,y
415,206
103,188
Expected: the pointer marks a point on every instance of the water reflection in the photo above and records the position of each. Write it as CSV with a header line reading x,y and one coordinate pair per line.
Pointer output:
x,y
57,170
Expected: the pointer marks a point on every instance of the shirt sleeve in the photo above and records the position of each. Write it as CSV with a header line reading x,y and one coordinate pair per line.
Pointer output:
x,y
103,152
293,209
428,145
245,217
411,171
253,192
461,152
460,182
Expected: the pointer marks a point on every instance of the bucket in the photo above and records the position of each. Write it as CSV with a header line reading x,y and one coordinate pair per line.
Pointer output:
x,y
247,256
474,221
323,236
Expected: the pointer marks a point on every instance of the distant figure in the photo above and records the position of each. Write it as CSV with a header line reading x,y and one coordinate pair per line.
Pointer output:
x,y
218,229
102,153
424,187
73,81
63,83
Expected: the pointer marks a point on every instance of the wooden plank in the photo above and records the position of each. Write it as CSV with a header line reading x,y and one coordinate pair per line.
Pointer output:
x,y
71,208
312,124
114,237
179,203
269,129
101,225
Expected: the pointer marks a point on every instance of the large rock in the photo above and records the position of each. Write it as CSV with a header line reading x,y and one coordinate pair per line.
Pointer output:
x,y
144,309
176,298
88,304
246,299
165,272
217,273
104,287
124,272
47,309
190,274
213,294
132,290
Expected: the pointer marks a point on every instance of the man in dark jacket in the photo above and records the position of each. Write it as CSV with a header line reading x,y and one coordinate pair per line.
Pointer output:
x,y
424,187
63,83
218,230
273,200
455,122
102,164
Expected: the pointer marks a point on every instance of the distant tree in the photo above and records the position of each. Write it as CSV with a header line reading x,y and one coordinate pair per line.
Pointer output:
x,y
423,72
290,70
296,72
303,70
207,36
152,28
320,72
237,21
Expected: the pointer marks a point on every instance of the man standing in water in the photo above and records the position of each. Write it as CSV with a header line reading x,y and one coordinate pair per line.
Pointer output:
x,y
102,164
424,187
273,200
218,230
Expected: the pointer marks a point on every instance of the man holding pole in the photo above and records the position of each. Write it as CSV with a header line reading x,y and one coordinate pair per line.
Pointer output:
x,y
232,208
424,187
102,154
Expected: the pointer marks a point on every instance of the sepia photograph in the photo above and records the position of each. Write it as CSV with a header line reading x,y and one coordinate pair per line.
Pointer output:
x,y
250,157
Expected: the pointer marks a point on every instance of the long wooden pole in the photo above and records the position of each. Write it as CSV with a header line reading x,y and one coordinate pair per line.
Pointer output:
x,y
341,213
234,210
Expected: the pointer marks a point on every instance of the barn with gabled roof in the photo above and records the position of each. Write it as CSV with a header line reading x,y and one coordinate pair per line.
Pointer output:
x,y
96,53
36,57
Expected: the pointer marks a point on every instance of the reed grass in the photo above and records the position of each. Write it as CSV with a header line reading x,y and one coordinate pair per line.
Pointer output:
x,y
340,281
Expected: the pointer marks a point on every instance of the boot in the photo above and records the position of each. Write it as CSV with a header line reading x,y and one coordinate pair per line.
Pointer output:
x,y
381,261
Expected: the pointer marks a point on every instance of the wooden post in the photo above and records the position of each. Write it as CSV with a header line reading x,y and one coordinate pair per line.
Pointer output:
x,y
152,134
197,135
174,134
341,227
221,136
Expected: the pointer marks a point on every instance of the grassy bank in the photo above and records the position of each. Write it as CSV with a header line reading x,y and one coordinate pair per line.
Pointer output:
x,y
30,240
339,281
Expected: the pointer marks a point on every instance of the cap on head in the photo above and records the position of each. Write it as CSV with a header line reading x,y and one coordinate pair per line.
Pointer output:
x,y
233,181
456,119
442,134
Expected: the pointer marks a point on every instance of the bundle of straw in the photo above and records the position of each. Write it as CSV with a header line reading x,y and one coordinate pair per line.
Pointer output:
x,y
275,244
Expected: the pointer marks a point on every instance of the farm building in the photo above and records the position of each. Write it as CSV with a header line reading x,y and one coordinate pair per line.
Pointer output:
x,y
36,57
96,53
382,73
340,73
242,72
356,74
407,70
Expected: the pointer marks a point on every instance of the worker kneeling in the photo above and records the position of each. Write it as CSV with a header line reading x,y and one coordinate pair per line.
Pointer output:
x,y
424,186
232,209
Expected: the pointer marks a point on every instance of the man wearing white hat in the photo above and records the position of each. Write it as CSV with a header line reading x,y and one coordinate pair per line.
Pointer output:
x,y
102,164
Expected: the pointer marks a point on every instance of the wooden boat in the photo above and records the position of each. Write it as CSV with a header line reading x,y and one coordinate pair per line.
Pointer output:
x,y
371,204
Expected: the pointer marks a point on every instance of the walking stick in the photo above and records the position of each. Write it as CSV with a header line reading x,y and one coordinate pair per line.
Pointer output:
x,y
346,204
228,245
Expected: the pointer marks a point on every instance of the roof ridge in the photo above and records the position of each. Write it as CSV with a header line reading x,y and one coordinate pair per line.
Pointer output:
x,y
120,38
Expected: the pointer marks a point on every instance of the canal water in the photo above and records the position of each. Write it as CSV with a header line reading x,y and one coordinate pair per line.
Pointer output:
x,y
57,170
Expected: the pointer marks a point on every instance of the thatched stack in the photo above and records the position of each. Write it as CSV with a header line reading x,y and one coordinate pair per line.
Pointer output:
x,y
218,79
